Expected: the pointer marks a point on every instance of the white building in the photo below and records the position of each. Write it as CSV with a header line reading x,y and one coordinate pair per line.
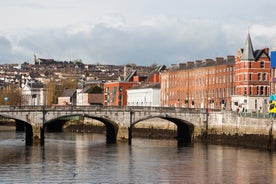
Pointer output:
x,y
148,95
82,98
33,93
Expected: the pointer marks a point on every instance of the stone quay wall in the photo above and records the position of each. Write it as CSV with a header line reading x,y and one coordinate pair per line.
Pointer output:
x,y
232,128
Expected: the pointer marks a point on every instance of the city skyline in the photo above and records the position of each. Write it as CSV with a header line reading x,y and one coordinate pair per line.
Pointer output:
x,y
141,32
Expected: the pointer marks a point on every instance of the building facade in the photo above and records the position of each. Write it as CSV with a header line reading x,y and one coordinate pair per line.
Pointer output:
x,y
115,93
33,93
147,95
200,84
252,78
237,83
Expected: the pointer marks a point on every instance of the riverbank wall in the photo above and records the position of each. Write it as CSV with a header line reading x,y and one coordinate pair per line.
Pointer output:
x,y
228,128
238,129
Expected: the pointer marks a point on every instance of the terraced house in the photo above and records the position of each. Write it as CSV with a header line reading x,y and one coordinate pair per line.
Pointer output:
x,y
237,83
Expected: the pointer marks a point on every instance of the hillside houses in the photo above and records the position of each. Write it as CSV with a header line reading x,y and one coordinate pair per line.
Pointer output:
x,y
43,71
243,81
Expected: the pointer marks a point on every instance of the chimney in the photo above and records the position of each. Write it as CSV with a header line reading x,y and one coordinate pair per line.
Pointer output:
x,y
198,62
182,65
190,64
219,60
230,58
209,61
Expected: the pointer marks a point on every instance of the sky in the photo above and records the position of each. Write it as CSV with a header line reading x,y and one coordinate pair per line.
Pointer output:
x,y
143,32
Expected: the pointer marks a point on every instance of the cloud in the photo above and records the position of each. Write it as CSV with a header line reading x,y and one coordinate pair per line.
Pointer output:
x,y
7,52
161,39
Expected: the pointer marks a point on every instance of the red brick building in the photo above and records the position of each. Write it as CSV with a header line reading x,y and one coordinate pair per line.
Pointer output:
x,y
252,78
115,93
199,84
221,83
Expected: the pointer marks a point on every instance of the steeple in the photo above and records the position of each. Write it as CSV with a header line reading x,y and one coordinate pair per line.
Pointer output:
x,y
248,53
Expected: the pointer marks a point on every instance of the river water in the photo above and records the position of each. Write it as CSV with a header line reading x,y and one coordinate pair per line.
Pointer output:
x,y
86,158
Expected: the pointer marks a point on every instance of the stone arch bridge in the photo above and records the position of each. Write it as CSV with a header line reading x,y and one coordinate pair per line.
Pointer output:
x,y
118,121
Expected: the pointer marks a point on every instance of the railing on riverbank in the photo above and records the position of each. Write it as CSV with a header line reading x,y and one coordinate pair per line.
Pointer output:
x,y
256,115
128,109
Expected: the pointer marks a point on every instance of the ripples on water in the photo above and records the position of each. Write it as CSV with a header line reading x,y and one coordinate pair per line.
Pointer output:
x,y
86,158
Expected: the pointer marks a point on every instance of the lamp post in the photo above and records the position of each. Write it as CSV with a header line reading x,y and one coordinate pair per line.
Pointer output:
x,y
6,99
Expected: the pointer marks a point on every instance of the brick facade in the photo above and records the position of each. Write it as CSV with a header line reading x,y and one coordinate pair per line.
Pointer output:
x,y
115,93
200,84
234,82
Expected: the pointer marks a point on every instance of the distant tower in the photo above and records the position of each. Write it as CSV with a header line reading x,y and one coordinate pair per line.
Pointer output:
x,y
34,59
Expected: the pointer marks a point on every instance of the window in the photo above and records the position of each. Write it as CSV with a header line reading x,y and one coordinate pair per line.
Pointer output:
x,y
264,76
250,65
262,90
262,64
259,76
250,76
250,90
245,90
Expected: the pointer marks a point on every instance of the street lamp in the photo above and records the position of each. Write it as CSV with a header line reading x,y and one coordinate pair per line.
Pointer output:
x,y
6,99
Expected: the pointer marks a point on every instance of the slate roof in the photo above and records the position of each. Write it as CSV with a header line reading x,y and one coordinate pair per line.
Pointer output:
x,y
248,52
145,86
132,73
206,63
68,93
158,69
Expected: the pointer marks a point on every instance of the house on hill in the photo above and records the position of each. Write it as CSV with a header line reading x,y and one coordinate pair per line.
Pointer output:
x,y
92,95
68,97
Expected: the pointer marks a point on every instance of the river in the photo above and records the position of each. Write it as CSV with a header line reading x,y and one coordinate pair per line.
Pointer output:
x,y
86,158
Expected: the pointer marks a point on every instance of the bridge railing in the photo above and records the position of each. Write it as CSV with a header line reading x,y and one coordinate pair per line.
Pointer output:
x,y
256,115
98,107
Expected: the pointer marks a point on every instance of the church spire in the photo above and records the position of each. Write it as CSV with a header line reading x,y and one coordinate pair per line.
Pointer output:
x,y
248,53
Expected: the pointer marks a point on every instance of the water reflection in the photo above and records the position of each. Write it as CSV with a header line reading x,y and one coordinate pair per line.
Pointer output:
x,y
86,158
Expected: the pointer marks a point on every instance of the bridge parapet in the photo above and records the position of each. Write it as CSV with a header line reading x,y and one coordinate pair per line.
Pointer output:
x,y
120,117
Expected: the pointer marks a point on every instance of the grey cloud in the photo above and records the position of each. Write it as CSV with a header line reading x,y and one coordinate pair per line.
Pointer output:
x,y
162,41
6,51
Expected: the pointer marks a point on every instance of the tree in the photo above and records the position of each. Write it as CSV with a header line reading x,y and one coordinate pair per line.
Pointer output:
x,y
10,95
55,89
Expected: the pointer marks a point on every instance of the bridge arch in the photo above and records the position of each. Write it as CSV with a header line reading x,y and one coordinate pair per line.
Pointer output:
x,y
111,126
185,129
28,128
